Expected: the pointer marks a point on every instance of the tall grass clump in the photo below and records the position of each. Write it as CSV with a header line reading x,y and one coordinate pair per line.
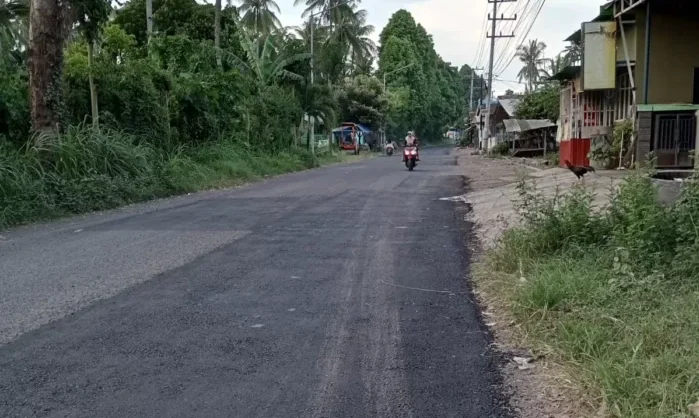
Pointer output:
x,y
614,291
83,170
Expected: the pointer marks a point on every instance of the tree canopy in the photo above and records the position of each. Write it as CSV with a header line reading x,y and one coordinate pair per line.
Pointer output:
x,y
431,92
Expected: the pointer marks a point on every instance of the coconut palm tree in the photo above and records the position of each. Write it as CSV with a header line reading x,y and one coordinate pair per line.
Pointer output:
x,y
573,54
260,16
357,35
317,101
349,41
532,56
327,7
553,66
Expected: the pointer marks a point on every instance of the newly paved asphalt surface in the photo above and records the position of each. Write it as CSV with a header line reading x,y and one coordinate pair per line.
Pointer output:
x,y
338,292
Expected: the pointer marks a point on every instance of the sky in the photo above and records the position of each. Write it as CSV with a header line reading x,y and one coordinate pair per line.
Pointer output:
x,y
457,27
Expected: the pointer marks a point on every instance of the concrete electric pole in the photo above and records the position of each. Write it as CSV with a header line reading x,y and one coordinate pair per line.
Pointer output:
x,y
492,36
473,76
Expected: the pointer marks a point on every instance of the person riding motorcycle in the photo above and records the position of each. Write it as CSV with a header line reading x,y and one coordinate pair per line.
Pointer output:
x,y
391,145
411,141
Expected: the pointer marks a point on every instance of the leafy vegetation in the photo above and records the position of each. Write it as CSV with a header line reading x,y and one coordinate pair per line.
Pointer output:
x,y
608,149
501,148
541,98
611,292
109,113
428,94
543,103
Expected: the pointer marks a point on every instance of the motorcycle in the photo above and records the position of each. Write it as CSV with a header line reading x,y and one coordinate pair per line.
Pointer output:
x,y
410,157
389,150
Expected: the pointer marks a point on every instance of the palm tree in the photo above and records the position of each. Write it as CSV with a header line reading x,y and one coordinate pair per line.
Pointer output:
x,y
266,58
327,7
259,15
553,66
348,39
317,102
573,54
532,55
356,33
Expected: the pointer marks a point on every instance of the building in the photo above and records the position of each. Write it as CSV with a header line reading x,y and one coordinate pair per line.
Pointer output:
x,y
500,109
640,62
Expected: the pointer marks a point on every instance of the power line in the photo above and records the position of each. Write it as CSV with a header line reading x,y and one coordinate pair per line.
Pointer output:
x,y
480,50
524,17
481,43
524,21
541,6
509,81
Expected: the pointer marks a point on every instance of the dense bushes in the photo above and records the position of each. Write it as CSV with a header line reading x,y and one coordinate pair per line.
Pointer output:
x,y
171,112
614,291
171,121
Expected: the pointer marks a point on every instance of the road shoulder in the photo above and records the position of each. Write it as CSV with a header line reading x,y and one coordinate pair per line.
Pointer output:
x,y
538,385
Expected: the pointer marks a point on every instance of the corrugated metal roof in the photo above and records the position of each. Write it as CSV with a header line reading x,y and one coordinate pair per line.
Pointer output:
x,y
362,128
509,105
568,73
522,125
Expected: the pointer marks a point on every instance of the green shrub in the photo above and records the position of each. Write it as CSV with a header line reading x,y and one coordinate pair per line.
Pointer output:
x,y
84,170
614,292
14,106
501,148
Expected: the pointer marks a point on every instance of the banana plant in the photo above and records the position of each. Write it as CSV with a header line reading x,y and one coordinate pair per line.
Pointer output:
x,y
266,57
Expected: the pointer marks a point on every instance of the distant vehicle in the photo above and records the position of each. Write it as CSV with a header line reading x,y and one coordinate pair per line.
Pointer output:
x,y
453,134
352,136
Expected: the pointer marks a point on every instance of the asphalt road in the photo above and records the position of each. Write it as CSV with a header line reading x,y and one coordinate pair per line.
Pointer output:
x,y
338,292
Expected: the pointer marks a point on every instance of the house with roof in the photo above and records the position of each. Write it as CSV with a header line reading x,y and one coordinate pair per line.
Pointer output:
x,y
500,110
640,63
505,110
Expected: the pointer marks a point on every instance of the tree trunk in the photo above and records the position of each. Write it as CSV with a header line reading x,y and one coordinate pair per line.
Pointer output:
x,y
48,24
93,87
217,33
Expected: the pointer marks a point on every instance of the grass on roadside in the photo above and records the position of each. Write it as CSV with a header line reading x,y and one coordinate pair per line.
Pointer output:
x,y
613,294
83,170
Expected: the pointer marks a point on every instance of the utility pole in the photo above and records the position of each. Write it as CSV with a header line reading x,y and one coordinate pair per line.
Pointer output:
x,y
473,75
493,35
312,142
149,19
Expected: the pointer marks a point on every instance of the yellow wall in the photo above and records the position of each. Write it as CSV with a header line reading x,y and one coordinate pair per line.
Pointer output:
x,y
630,32
674,53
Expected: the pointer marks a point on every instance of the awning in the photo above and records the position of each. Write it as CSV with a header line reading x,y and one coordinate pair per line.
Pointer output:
x,y
509,105
668,107
576,37
568,73
522,125
362,128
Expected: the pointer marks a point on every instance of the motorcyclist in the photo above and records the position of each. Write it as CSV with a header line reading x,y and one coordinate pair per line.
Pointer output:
x,y
411,141
391,145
